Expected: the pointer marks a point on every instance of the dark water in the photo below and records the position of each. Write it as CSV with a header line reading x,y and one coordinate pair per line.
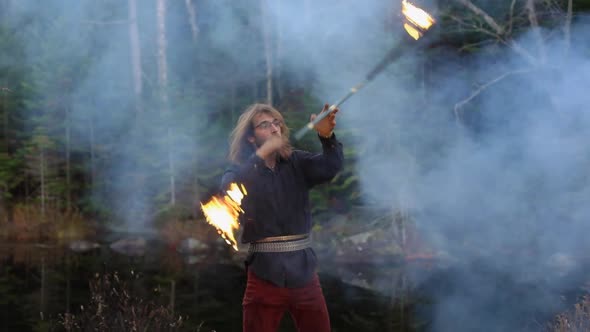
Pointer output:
x,y
40,283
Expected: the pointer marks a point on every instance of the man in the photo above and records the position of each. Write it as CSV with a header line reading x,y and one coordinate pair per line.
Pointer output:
x,y
276,222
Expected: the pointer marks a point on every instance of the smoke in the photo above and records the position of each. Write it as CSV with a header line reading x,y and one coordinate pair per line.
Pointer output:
x,y
506,190
78,57
516,180
497,189
507,184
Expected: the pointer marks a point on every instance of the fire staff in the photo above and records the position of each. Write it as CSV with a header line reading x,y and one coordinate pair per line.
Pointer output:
x,y
416,23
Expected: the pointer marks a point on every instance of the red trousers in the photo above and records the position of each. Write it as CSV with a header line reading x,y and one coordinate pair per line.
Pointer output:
x,y
265,303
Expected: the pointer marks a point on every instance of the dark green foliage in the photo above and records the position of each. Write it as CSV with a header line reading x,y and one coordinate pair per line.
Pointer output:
x,y
70,135
11,289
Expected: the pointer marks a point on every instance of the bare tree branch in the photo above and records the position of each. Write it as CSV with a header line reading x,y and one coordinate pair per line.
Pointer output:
x,y
135,50
192,18
567,26
499,31
482,43
530,6
267,50
474,27
162,43
483,87
520,50
532,14
487,18
511,17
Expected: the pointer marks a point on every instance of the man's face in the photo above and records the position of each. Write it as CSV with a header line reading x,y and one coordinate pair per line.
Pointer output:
x,y
265,126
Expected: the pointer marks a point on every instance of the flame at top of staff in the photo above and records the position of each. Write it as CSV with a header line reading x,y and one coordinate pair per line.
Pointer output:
x,y
223,212
418,20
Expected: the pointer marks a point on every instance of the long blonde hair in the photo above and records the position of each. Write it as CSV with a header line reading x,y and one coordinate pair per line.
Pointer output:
x,y
240,148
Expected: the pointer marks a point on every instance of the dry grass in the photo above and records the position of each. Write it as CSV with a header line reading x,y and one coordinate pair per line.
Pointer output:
x,y
29,223
114,307
575,320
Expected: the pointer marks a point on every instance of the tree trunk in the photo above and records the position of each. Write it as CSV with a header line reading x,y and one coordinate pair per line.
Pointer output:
x,y
3,209
567,26
43,182
4,148
68,283
307,21
163,85
267,50
278,55
172,304
92,152
192,18
135,55
532,13
197,125
68,161
5,119
43,289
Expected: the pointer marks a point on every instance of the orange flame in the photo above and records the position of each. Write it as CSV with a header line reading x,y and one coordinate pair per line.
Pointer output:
x,y
418,20
223,213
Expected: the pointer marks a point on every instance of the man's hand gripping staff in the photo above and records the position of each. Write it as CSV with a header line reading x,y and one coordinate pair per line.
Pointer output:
x,y
325,122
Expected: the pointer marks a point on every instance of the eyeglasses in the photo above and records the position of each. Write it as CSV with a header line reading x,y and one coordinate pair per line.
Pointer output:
x,y
266,124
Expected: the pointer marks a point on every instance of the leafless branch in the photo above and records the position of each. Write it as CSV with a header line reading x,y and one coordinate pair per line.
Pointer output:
x,y
554,7
483,87
487,18
477,44
499,31
5,89
473,26
530,6
267,50
192,18
532,14
511,17
522,52
567,25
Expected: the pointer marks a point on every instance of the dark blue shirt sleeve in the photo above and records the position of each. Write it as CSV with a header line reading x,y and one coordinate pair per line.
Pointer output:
x,y
322,167
241,173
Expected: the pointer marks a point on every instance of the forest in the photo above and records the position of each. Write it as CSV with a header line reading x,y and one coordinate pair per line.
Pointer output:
x,y
115,118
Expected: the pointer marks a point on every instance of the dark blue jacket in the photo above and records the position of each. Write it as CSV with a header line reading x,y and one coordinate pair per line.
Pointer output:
x,y
277,204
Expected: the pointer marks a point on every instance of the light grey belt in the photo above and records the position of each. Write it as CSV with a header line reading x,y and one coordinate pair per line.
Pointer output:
x,y
281,243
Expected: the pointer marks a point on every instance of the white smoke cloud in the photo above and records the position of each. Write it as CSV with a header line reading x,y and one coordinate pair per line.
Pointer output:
x,y
507,184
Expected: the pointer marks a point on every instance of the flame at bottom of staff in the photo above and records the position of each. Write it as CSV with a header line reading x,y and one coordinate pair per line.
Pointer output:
x,y
223,212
